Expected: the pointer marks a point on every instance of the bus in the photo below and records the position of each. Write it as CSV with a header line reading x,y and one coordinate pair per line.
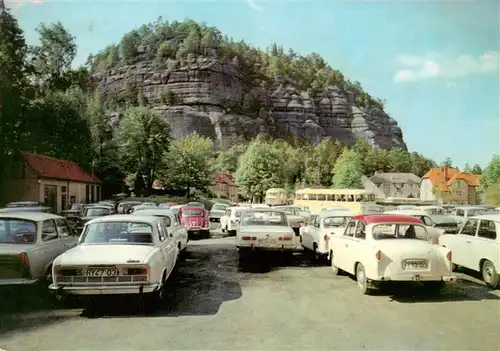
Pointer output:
x,y
276,197
355,200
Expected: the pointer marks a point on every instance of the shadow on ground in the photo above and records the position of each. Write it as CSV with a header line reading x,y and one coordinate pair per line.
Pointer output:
x,y
24,307
202,282
265,262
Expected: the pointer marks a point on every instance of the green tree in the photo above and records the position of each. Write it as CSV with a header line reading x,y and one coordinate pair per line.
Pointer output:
x,y
259,169
14,91
187,165
320,162
400,161
492,194
53,57
227,160
477,169
129,45
448,162
490,174
348,171
143,139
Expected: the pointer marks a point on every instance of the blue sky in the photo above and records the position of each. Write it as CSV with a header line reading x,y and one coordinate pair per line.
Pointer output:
x,y
436,64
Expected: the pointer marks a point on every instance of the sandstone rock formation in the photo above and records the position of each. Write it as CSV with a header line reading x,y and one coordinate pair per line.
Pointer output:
x,y
203,88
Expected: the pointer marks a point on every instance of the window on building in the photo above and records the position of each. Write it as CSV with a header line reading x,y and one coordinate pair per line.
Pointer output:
x,y
87,193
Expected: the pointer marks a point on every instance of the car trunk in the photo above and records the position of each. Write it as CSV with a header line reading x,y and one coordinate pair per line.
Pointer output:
x,y
12,263
410,255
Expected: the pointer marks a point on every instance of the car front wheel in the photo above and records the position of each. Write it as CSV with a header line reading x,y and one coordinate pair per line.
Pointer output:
x,y
362,280
490,275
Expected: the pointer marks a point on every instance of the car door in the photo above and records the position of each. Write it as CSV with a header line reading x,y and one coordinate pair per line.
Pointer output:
x,y
52,245
169,243
463,244
65,234
355,252
485,245
343,248
307,241
182,232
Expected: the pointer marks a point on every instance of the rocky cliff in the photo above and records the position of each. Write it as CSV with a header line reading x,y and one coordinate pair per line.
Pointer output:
x,y
201,95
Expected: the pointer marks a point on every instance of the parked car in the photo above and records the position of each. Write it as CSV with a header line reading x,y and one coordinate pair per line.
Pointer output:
x,y
315,235
477,247
217,212
29,242
195,220
120,254
462,213
426,219
74,211
229,222
264,229
90,213
176,208
171,220
26,209
24,204
385,248
124,206
296,217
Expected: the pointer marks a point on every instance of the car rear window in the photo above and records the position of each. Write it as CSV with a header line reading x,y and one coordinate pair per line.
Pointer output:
x,y
17,231
399,231
192,213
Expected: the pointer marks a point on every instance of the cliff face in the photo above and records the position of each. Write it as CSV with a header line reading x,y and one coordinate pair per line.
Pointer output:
x,y
203,88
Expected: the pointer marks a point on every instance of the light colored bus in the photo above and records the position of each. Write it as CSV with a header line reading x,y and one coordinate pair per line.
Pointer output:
x,y
355,200
276,197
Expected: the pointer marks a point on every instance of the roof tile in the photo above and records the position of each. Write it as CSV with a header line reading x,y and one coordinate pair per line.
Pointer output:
x,y
50,167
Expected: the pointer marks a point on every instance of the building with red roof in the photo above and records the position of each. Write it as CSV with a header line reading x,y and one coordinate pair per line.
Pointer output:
x,y
448,185
225,187
54,182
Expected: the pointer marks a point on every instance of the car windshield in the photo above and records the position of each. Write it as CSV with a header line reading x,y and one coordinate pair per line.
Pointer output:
x,y
335,222
288,210
263,218
96,211
192,213
400,231
17,231
219,208
125,232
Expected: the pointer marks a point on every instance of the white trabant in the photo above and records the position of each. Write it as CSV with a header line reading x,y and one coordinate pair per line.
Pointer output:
x,y
315,236
477,246
379,249
172,221
229,221
264,229
29,243
118,254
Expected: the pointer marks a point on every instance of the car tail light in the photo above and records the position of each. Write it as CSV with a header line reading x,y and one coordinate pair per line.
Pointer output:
x,y
249,238
205,223
448,256
378,255
23,257
285,238
325,238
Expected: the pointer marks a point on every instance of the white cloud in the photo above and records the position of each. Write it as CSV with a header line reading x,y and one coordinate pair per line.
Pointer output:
x,y
15,4
254,6
433,65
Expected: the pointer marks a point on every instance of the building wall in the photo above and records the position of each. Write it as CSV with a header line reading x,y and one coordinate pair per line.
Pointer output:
x,y
23,186
426,191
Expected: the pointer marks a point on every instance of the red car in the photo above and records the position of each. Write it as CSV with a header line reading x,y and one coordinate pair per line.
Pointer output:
x,y
195,219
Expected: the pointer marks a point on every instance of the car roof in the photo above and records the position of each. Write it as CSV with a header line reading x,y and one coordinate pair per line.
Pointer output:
x,y
469,208
495,217
336,213
125,217
387,218
153,212
31,216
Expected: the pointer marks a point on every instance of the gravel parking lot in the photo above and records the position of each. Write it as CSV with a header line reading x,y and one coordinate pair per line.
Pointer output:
x,y
278,305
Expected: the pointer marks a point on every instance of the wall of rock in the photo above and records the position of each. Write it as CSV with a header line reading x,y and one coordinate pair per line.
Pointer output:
x,y
203,88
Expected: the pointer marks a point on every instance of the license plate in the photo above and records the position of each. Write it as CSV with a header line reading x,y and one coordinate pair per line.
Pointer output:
x,y
267,242
101,272
416,265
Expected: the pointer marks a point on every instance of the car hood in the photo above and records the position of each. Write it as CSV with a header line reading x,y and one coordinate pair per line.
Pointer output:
x,y
86,254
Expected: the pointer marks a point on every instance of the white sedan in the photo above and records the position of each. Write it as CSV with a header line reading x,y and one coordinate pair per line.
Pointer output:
x,y
118,254
264,229
379,249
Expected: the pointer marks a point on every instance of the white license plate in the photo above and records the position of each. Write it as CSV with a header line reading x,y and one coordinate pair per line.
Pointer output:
x,y
269,242
101,272
416,265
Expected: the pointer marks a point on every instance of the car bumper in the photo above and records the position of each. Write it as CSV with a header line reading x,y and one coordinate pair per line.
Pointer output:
x,y
103,289
450,279
20,281
267,248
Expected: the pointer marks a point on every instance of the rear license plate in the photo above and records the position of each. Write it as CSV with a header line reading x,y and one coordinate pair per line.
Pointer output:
x,y
101,272
269,242
416,265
